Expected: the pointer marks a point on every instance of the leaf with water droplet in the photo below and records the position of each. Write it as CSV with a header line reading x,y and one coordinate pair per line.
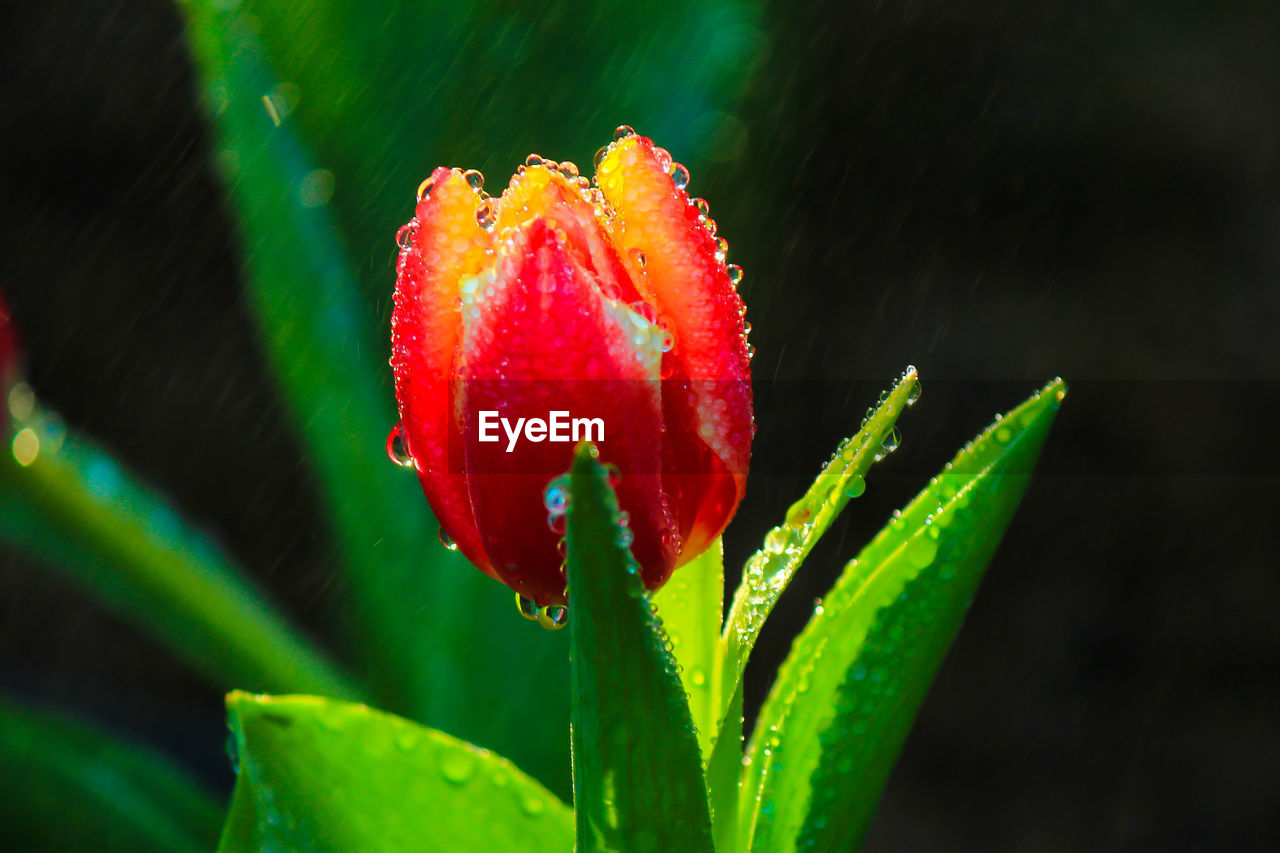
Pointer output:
x,y
691,607
845,698
323,776
785,547
624,680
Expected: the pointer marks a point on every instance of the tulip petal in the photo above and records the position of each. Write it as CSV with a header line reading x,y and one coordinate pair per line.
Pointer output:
x,y
447,246
708,396
541,337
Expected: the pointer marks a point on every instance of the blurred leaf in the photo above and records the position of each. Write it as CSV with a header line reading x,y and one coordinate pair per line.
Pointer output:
x,y
770,569
436,635
386,91
691,607
72,506
319,776
637,774
724,771
69,787
846,696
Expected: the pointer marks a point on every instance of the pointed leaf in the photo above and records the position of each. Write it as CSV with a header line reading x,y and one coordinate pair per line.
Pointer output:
x,y
637,774
73,506
320,776
846,696
71,787
422,618
691,607
769,570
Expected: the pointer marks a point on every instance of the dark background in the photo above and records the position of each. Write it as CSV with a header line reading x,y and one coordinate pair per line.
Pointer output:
x,y
998,193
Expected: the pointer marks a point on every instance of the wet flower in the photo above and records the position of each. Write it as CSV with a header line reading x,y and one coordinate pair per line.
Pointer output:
x,y
567,309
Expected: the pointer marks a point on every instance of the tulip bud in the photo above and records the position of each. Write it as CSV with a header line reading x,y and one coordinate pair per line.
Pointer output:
x,y
560,311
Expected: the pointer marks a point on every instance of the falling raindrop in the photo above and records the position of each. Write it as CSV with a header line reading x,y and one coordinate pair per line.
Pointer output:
x,y
398,448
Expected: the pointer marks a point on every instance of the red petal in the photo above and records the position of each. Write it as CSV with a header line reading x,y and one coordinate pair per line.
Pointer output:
x,y
447,246
544,338
691,288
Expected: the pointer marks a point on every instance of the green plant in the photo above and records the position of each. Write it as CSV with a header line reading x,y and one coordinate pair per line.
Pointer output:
x,y
654,689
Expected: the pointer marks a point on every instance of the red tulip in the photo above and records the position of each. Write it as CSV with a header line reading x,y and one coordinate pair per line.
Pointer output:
x,y
609,302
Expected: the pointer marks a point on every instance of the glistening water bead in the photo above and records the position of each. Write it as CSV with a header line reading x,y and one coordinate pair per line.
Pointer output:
x,y
397,449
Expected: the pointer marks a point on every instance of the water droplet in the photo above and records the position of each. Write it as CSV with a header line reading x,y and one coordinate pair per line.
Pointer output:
x,y
914,395
704,209
527,606
487,215
856,486
668,340
1003,434
735,274
474,179
404,237
776,540
638,257
532,805
533,160
679,175
569,169
921,551
398,448
888,444
424,188
556,496
664,159
625,537
722,249
407,740
446,540
697,677
457,767
553,617
623,131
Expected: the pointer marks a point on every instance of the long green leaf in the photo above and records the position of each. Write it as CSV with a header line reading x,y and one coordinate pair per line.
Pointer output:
x,y
319,776
68,503
637,776
70,787
440,640
770,569
847,694
691,607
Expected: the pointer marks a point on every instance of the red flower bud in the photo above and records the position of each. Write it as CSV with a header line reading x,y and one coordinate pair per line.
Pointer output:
x,y
599,311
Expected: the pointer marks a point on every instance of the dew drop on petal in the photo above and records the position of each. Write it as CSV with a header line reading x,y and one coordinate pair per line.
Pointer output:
x,y
424,188
679,175
474,179
487,215
398,449
527,607
735,274
553,617
623,131
533,160
404,237
704,208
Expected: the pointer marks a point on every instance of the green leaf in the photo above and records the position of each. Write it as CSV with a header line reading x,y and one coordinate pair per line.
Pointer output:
x,y
71,505
691,607
846,696
440,641
637,776
319,776
769,570
70,787
724,769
